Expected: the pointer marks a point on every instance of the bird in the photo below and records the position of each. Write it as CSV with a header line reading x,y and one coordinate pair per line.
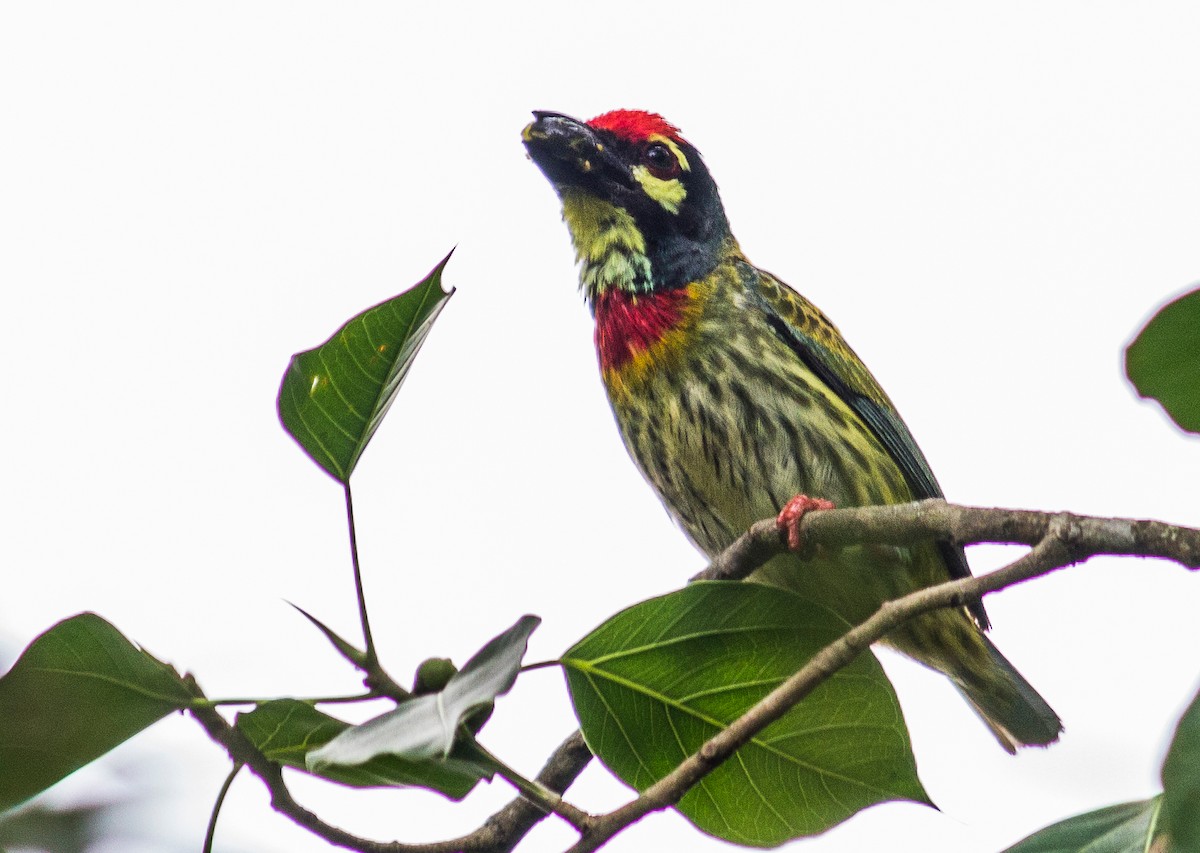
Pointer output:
x,y
738,399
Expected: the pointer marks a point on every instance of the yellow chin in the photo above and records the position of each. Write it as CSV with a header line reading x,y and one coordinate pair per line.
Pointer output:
x,y
608,245
597,227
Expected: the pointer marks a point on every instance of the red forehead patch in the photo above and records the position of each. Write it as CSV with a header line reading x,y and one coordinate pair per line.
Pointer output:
x,y
635,125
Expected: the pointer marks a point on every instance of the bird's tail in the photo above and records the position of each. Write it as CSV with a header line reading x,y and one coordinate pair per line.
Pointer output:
x,y
1016,713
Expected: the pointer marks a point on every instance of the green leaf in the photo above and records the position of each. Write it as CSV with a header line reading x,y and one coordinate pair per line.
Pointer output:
x,y
1163,362
659,679
286,730
1181,781
1126,828
426,726
77,691
333,398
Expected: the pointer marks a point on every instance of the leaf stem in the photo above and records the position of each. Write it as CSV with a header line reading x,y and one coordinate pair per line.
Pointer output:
x,y
212,820
312,700
533,791
372,660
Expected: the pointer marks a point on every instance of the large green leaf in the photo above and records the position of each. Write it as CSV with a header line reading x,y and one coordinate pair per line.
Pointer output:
x,y
77,691
333,398
1127,828
657,680
1181,781
286,730
427,726
1163,362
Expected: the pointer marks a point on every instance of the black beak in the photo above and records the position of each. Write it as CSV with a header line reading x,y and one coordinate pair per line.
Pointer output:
x,y
545,116
569,152
548,125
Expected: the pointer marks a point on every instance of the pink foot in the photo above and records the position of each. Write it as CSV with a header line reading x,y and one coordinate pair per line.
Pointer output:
x,y
790,516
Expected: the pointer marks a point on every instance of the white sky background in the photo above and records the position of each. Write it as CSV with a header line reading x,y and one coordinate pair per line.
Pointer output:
x,y
988,199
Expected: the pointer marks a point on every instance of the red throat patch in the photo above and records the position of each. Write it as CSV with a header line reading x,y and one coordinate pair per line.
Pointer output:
x,y
628,325
635,125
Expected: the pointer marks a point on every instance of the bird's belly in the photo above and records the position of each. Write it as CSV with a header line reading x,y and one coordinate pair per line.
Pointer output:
x,y
720,468
723,455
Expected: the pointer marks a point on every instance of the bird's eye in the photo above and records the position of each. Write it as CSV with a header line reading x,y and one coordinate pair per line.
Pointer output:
x,y
660,161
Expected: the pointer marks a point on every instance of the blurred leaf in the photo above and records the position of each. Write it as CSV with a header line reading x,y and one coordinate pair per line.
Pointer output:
x,y
1117,829
286,730
426,726
659,679
71,829
333,398
77,691
1163,362
1181,781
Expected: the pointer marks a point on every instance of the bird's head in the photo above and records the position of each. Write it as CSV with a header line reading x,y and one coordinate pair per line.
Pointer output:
x,y
642,208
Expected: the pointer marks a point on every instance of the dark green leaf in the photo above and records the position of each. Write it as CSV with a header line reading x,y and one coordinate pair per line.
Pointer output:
x,y
334,397
1117,829
1181,781
1163,362
659,679
286,731
80,689
425,727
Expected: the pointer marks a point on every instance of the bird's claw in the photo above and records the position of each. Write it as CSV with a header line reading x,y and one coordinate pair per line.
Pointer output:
x,y
790,516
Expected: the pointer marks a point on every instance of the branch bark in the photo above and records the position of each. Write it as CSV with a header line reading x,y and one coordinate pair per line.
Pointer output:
x,y
904,524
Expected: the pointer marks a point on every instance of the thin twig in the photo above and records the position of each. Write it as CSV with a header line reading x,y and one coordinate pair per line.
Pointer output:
x,y
503,831
536,793
376,679
211,834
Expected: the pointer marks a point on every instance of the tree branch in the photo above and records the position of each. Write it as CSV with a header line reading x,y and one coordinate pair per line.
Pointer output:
x,y
905,524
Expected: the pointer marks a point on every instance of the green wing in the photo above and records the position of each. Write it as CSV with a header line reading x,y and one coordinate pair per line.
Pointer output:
x,y
818,344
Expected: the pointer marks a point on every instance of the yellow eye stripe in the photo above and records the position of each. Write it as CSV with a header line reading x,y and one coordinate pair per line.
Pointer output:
x,y
669,193
675,149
